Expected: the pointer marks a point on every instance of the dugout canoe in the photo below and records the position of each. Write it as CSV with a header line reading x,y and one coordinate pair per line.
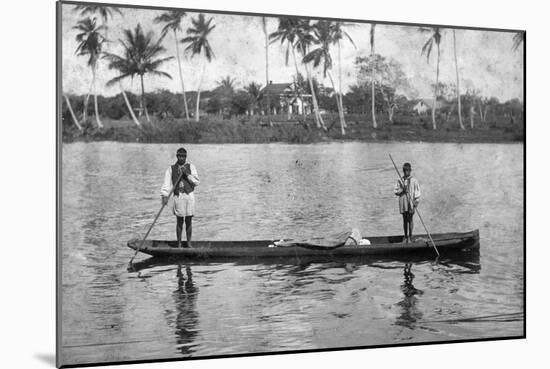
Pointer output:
x,y
447,244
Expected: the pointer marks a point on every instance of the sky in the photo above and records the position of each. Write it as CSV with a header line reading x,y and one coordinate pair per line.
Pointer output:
x,y
485,58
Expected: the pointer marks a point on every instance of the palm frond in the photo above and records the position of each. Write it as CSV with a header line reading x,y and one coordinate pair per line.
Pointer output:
x,y
427,49
116,80
517,40
160,74
372,31
140,56
104,12
197,38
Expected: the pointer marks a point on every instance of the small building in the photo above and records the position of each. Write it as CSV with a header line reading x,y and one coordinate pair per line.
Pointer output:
x,y
285,98
423,106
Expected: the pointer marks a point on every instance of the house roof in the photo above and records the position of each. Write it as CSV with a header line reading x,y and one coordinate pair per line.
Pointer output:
x,y
276,88
429,102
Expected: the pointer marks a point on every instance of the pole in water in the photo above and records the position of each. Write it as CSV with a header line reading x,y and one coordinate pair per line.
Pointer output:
x,y
155,220
417,211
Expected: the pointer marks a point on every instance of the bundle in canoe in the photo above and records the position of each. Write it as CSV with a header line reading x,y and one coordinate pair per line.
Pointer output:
x,y
447,243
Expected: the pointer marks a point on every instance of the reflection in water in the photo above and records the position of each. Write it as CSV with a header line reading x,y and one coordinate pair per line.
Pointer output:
x,y
282,191
410,313
187,317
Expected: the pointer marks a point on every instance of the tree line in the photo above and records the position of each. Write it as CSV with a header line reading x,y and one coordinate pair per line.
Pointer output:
x,y
309,44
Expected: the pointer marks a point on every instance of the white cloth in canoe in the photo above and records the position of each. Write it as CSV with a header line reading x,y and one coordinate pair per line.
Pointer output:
x,y
352,237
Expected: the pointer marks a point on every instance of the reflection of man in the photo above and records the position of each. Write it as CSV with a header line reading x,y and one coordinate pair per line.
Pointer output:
x,y
184,196
187,317
410,313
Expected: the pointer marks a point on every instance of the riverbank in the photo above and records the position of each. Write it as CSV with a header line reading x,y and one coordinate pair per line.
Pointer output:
x,y
278,129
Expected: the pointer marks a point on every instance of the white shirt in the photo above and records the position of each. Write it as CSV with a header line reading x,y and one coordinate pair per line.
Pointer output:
x,y
167,186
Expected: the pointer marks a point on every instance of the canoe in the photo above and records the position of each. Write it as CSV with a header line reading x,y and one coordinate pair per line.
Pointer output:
x,y
447,244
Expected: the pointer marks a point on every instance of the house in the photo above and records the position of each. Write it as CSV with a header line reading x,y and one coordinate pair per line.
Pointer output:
x,y
423,106
285,98
326,91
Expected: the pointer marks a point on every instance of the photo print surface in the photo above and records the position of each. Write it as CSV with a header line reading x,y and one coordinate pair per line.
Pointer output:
x,y
240,184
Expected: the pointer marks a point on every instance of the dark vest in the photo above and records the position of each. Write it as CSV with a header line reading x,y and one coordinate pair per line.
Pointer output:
x,y
187,186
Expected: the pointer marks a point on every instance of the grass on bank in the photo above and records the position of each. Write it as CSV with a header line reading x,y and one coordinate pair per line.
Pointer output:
x,y
262,129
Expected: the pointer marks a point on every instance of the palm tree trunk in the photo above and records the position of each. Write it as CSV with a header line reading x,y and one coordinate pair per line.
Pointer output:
x,y
297,74
342,127
480,107
85,109
181,76
389,103
199,92
143,104
76,122
128,105
268,98
373,98
318,118
373,79
436,89
457,84
98,121
340,85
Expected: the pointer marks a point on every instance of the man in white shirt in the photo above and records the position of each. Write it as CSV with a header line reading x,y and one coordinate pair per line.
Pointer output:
x,y
408,190
183,178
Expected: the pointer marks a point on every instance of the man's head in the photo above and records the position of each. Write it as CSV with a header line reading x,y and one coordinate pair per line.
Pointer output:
x,y
181,155
407,169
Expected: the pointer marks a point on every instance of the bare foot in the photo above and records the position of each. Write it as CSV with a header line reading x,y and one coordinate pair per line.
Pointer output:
x,y
189,245
179,244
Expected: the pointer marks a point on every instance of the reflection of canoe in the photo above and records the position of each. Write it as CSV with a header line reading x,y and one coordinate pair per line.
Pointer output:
x,y
447,244
460,262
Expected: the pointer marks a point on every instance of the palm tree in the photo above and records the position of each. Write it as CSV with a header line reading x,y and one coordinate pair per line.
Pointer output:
x,y
172,22
141,56
198,44
105,12
225,91
227,83
90,42
339,35
435,38
266,37
373,77
254,91
304,39
324,37
457,84
287,32
517,40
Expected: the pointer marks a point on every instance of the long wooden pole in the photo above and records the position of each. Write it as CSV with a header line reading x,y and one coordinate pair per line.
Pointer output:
x,y
417,211
156,217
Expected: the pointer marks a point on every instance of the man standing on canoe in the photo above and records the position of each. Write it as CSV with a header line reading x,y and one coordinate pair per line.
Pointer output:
x,y
408,190
184,197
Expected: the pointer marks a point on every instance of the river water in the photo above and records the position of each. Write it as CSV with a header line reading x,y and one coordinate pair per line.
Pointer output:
x,y
110,194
